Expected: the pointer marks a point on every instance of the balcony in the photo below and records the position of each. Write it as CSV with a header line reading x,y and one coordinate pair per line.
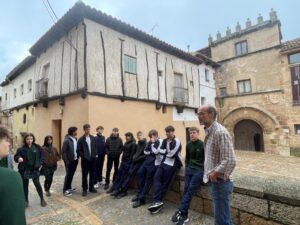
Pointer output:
x,y
41,90
180,95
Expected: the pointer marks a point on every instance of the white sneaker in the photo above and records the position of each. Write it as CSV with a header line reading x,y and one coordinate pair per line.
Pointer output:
x,y
96,185
67,193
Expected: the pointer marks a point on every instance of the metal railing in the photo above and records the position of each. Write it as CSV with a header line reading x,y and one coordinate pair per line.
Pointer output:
x,y
180,95
41,90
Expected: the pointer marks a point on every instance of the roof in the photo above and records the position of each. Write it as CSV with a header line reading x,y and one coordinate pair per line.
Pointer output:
x,y
27,62
207,60
290,45
80,11
205,51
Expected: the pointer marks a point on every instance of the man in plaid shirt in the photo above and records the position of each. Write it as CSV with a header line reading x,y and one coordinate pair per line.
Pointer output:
x,y
219,163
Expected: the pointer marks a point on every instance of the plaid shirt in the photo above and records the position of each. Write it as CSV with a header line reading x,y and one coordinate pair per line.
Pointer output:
x,y
219,152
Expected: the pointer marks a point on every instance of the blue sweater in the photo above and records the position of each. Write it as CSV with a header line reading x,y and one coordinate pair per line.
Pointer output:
x,y
100,143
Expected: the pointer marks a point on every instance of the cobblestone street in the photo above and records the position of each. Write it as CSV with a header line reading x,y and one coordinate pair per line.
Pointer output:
x,y
99,208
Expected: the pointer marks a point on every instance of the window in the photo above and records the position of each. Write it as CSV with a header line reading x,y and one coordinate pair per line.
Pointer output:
x,y
203,100
46,69
294,58
223,91
244,86
5,96
22,89
29,85
297,129
191,83
241,48
159,73
15,92
130,64
206,75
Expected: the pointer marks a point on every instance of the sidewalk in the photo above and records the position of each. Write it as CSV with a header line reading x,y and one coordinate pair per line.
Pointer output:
x,y
96,209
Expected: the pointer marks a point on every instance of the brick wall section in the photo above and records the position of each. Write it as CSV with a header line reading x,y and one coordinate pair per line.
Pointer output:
x,y
247,207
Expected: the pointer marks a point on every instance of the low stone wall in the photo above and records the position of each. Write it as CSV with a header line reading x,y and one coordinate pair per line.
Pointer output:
x,y
247,207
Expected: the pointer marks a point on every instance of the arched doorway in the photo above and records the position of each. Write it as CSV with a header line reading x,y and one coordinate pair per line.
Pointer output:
x,y
248,135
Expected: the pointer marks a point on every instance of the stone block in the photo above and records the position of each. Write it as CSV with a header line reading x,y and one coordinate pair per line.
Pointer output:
x,y
250,219
250,204
173,196
204,192
235,216
197,204
285,213
176,186
208,207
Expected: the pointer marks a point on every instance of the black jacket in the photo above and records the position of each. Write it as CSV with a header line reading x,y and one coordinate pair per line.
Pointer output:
x,y
173,152
139,155
67,150
83,148
22,153
128,151
114,147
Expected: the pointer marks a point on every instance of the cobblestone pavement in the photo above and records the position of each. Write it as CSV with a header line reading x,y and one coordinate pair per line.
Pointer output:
x,y
96,209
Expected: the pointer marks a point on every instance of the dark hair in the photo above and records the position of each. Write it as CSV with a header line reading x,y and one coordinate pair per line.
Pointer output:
x,y
129,134
212,109
28,135
100,127
194,129
71,130
86,126
4,132
46,139
170,129
139,133
115,129
152,133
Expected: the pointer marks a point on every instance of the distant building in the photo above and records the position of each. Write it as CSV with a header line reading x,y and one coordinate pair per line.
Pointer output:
x,y
92,68
258,86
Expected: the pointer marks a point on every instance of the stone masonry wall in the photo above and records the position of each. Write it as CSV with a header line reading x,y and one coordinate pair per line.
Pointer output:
x,y
247,207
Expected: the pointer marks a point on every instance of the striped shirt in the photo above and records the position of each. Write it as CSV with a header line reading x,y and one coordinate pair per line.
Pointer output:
x,y
219,152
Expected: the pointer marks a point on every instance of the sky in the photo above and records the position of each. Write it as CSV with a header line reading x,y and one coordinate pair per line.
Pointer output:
x,y
177,22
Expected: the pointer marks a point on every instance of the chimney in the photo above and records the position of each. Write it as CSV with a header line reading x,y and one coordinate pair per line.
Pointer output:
x,y
210,39
219,36
228,32
248,23
238,27
260,19
273,15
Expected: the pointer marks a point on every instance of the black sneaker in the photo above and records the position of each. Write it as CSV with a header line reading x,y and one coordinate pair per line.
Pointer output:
x,y
84,193
183,220
121,194
48,194
135,198
110,190
106,186
93,190
138,203
112,193
43,203
175,218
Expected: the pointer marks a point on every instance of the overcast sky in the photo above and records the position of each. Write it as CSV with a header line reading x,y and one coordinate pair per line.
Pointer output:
x,y
178,22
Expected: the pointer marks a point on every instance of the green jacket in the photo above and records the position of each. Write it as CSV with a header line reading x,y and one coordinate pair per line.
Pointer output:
x,y
195,155
12,200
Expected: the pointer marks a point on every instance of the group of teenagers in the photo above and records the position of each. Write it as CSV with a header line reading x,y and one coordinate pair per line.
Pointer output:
x,y
154,163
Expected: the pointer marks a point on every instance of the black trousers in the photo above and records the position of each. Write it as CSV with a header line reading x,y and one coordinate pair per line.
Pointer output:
x,y
37,184
48,181
88,168
99,168
110,162
70,171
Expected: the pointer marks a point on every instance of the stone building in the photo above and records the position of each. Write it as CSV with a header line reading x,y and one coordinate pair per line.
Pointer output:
x,y
92,68
258,86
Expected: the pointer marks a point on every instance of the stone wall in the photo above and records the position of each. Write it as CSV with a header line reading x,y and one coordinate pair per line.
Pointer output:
x,y
247,207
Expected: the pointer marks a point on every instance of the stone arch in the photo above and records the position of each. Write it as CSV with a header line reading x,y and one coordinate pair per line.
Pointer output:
x,y
262,117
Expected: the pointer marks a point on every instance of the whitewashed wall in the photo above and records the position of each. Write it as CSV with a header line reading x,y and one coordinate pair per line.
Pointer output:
x,y
135,85
28,96
207,88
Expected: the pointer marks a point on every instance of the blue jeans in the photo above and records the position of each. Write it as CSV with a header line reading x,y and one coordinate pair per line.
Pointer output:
x,y
220,192
192,180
